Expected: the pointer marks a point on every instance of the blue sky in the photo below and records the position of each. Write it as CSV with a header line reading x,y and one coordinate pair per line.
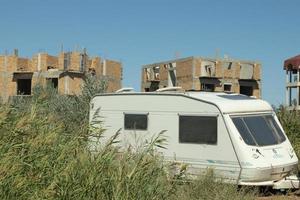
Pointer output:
x,y
139,32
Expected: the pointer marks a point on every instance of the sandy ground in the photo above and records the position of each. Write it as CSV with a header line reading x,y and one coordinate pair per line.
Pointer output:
x,y
280,197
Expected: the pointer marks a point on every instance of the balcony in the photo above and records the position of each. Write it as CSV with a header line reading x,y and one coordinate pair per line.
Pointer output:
x,y
293,84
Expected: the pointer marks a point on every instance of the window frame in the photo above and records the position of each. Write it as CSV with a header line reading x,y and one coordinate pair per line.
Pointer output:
x,y
205,87
255,139
24,86
53,82
134,113
216,116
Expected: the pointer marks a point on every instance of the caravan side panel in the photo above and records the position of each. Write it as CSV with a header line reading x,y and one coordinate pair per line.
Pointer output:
x,y
163,112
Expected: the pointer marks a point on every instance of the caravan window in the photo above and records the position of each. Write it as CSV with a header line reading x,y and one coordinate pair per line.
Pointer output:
x,y
198,129
259,130
135,121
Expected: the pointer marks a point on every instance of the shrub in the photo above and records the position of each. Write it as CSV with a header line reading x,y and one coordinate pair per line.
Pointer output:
x,y
208,187
290,121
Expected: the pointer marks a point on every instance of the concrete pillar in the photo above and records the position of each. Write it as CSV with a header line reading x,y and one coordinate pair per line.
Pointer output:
x,y
193,74
5,79
287,101
5,63
289,80
298,88
290,96
104,68
39,62
172,75
66,82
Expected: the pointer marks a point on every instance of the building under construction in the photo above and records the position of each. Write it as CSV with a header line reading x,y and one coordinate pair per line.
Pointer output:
x,y
66,72
292,69
204,74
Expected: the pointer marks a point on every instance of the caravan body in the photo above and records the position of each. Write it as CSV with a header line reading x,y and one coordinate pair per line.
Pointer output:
x,y
239,137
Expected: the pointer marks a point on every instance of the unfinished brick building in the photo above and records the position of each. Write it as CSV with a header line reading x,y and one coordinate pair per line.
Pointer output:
x,y
292,69
204,74
66,72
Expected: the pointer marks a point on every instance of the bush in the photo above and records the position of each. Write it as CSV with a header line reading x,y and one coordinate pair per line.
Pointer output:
x,y
290,121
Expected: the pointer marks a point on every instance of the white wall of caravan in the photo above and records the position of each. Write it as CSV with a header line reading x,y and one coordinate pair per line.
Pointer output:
x,y
163,115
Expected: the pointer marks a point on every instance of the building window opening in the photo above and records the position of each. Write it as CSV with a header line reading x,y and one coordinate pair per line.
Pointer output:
x,y
246,90
229,66
24,86
92,72
65,64
67,59
294,76
227,87
172,78
50,68
154,86
156,73
82,63
208,70
207,87
53,82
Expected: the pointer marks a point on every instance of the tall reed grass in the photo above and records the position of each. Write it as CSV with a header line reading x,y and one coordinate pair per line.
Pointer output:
x,y
44,155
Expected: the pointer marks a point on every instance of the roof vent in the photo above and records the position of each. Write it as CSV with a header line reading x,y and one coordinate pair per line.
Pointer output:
x,y
122,90
170,89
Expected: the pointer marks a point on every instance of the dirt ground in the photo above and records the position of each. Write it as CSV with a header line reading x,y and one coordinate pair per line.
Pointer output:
x,y
280,197
290,196
274,195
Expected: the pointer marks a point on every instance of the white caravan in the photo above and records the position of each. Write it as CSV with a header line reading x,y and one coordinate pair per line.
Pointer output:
x,y
239,137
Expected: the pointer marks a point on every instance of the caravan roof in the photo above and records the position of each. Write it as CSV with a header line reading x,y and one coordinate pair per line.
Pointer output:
x,y
227,103
232,103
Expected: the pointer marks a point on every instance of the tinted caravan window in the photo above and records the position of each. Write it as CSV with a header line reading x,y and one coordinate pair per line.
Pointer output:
x,y
198,129
135,121
259,130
